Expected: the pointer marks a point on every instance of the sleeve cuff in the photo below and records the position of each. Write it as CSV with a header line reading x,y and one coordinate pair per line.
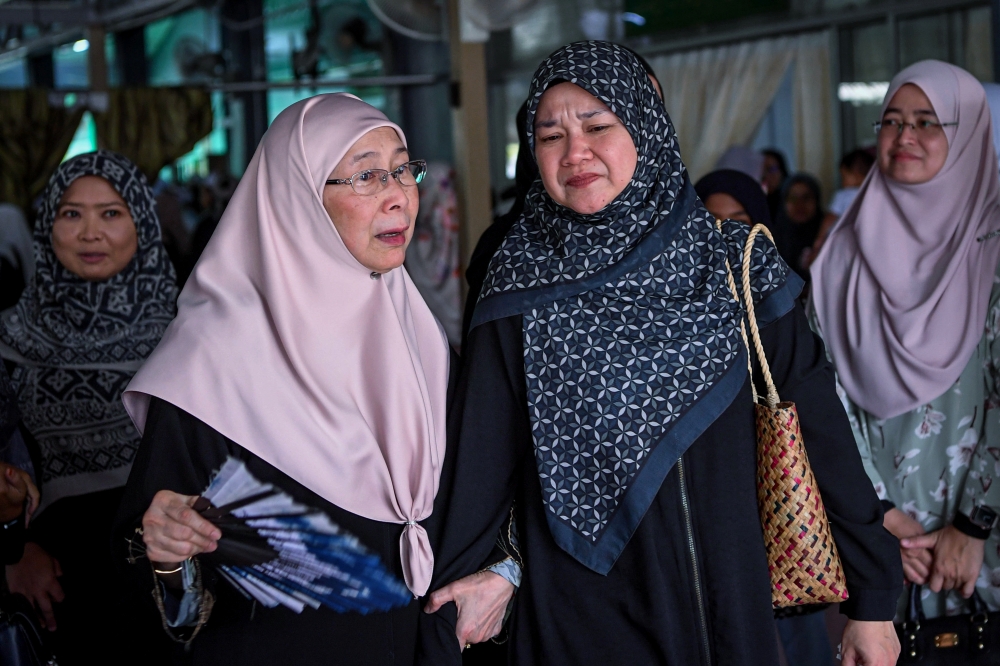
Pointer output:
x,y
872,605
967,527
508,570
887,506
181,610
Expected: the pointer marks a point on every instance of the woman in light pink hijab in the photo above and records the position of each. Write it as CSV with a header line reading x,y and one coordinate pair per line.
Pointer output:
x,y
906,296
301,347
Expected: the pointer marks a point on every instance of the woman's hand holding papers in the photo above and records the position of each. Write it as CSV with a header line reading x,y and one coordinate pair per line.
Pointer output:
x,y
173,531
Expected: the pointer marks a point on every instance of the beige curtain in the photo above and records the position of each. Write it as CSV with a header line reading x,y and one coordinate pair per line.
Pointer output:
x,y
717,97
35,132
812,109
154,126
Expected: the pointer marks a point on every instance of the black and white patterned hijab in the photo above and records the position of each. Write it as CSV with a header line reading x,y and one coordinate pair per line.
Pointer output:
x,y
631,335
75,344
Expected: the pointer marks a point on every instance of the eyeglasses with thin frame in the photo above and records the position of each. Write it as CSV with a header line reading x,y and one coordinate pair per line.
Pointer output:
x,y
922,128
372,181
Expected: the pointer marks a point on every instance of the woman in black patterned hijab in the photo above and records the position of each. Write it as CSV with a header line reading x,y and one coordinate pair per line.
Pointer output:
x,y
102,294
604,399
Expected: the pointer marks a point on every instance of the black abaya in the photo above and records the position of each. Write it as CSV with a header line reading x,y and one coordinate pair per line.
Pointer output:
x,y
100,620
180,453
692,585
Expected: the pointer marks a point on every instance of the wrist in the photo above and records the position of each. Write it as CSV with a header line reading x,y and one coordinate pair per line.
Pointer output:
x,y
11,523
978,526
171,573
166,568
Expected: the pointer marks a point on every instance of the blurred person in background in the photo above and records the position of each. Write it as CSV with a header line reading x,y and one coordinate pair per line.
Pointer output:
x,y
733,195
432,258
854,168
525,173
773,179
208,201
17,258
798,221
743,159
102,294
176,239
907,297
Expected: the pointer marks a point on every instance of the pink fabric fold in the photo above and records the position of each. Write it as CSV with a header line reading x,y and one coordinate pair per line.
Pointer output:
x,y
902,284
285,344
415,551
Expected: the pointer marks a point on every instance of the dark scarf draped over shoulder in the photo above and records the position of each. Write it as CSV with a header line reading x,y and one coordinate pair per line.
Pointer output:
x,y
631,335
75,344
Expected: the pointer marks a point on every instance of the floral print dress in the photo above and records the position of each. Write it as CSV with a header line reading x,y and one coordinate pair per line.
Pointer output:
x,y
943,457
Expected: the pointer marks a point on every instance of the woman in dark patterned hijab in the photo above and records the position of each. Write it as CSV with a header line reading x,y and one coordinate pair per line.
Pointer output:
x,y
102,294
605,397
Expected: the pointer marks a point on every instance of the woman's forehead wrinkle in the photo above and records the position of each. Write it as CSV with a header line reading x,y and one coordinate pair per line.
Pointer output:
x,y
363,156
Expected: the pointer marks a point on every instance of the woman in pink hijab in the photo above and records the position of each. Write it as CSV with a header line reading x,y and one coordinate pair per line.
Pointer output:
x,y
302,348
906,294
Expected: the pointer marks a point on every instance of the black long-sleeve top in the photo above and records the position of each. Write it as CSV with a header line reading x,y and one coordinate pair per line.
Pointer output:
x,y
675,596
180,453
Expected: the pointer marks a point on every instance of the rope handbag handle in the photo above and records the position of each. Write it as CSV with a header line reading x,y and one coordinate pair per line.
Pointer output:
x,y
743,330
772,392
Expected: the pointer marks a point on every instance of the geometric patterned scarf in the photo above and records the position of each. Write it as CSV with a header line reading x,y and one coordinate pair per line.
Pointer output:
x,y
631,335
75,344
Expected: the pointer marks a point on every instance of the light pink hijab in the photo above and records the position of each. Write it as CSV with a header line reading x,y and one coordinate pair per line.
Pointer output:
x,y
286,345
902,285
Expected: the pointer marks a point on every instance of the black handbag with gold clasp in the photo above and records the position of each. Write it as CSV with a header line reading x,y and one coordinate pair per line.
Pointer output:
x,y
21,640
972,639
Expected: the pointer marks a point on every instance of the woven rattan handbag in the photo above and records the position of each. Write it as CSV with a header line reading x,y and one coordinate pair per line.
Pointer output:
x,y
802,557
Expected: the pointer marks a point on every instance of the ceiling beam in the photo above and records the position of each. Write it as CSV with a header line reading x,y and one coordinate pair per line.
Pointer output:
x,y
19,12
74,20
768,27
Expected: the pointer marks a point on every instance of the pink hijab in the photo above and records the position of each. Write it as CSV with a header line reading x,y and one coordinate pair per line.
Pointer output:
x,y
285,344
902,285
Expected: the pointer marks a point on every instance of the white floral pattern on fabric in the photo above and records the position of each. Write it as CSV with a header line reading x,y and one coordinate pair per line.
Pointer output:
x,y
943,457
930,424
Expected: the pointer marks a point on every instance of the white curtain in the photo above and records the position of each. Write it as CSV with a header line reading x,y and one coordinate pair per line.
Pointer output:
x,y
717,97
813,110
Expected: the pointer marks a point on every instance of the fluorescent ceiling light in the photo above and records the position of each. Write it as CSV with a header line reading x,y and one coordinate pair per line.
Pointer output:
x,y
633,18
861,93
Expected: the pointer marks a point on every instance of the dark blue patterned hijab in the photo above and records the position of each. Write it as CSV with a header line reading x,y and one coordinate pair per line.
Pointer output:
x,y
75,344
631,335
